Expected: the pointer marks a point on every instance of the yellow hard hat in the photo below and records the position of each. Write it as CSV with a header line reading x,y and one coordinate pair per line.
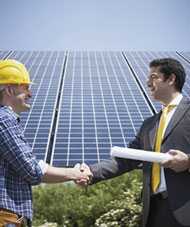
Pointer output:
x,y
13,72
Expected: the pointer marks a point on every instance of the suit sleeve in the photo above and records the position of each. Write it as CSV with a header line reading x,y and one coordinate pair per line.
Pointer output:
x,y
116,166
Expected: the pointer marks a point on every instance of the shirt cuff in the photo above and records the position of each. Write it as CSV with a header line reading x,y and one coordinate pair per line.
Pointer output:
x,y
43,166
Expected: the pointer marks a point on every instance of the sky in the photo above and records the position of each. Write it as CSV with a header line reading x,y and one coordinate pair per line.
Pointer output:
x,y
134,25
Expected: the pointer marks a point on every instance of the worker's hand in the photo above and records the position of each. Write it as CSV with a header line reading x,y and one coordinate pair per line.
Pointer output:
x,y
84,169
178,162
57,175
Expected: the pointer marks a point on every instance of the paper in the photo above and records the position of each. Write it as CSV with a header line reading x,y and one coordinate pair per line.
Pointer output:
x,y
142,155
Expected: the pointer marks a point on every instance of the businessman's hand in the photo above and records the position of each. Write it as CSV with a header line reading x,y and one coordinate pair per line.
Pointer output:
x,y
84,169
179,161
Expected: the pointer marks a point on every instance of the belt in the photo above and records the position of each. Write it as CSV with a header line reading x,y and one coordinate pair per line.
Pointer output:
x,y
9,211
10,216
160,195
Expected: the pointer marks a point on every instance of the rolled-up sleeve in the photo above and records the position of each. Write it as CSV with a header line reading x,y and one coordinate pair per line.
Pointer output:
x,y
17,152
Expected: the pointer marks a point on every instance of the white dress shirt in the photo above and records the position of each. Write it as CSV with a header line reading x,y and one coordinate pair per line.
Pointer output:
x,y
162,187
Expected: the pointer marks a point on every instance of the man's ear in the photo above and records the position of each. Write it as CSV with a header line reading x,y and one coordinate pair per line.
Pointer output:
x,y
172,79
9,90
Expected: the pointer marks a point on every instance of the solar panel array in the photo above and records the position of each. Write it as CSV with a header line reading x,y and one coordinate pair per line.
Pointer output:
x,y
86,102
101,106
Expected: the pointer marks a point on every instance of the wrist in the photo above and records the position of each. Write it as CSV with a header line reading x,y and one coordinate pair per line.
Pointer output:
x,y
69,174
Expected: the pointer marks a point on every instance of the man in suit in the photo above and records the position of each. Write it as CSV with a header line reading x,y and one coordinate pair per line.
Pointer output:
x,y
166,196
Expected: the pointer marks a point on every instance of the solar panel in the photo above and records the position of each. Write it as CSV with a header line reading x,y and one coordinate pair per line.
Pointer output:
x,y
3,54
186,55
101,106
46,71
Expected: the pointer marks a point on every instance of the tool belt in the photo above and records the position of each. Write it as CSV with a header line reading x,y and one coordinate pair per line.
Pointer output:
x,y
10,219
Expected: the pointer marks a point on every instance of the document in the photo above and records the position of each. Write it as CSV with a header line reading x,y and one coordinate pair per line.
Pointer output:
x,y
137,154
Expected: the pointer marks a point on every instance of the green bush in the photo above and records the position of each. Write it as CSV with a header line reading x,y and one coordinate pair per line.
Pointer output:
x,y
123,211
115,202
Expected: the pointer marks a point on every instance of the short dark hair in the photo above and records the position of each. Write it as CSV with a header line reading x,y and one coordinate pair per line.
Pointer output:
x,y
169,66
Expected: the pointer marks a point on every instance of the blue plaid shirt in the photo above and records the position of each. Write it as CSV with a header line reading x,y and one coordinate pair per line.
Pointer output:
x,y
19,169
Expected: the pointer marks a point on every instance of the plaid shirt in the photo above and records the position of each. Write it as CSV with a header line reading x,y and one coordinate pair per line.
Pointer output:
x,y
19,169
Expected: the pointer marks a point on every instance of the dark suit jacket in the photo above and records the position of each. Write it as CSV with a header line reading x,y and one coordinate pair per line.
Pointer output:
x,y
177,136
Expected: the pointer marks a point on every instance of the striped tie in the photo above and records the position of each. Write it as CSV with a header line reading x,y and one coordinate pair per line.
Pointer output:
x,y
159,136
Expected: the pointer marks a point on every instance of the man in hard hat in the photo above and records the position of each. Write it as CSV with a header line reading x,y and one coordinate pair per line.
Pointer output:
x,y
19,169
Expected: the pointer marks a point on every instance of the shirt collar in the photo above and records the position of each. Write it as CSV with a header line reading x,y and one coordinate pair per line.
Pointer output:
x,y
14,113
175,101
10,109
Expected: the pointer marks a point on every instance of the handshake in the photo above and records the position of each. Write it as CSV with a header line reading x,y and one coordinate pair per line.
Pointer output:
x,y
83,174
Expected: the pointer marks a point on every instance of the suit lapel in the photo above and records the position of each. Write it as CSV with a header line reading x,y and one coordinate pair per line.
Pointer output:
x,y
153,129
180,111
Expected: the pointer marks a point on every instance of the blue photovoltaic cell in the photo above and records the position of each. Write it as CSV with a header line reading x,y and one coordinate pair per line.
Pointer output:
x,y
3,54
101,106
46,70
186,55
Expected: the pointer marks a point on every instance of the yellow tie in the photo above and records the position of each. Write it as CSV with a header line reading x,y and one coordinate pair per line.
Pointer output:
x,y
159,136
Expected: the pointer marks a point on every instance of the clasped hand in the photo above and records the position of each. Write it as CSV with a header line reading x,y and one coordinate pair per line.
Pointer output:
x,y
86,174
